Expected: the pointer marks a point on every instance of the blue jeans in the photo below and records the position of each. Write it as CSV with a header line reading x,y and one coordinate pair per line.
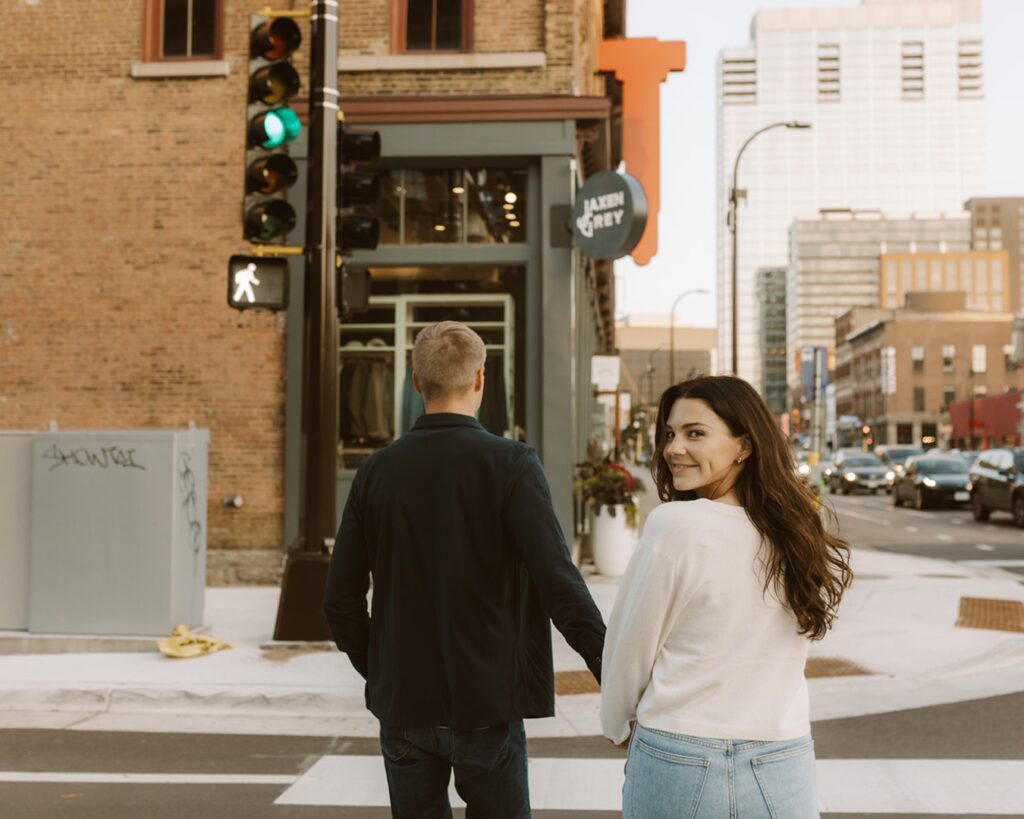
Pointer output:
x,y
489,765
684,777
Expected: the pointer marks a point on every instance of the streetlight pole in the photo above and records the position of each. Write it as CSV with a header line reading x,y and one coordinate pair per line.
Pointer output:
x,y
731,221
672,331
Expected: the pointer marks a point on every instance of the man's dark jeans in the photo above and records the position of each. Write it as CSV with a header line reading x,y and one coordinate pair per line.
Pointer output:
x,y
489,765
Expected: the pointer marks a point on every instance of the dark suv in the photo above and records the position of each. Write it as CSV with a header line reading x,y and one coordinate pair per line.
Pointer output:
x,y
996,482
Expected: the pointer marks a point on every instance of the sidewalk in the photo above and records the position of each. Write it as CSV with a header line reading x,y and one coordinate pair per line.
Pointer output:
x,y
897,623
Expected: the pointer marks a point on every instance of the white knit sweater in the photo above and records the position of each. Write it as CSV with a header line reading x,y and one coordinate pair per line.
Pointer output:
x,y
694,645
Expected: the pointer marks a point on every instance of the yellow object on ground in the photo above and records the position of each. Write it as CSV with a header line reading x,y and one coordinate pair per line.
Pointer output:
x,y
182,644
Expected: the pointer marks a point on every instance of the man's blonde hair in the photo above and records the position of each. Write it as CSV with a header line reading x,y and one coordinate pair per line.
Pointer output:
x,y
445,358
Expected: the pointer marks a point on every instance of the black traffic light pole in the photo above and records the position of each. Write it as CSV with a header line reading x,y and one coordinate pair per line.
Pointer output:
x,y
300,611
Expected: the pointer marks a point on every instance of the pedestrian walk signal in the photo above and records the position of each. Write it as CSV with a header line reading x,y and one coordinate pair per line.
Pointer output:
x,y
271,127
257,283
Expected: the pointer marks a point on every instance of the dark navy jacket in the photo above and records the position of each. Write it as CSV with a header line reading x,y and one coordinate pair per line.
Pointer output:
x,y
468,564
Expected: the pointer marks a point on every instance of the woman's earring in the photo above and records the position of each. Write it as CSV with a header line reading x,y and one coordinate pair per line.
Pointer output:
x,y
739,460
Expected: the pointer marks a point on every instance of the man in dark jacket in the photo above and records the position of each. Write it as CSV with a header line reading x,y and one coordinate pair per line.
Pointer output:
x,y
468,561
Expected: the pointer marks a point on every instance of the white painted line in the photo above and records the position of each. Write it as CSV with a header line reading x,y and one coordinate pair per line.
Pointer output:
x,y
911,528
928,786
944,537
985,547
868,518
555,784
147,779
1014,563
916,514
924,786
957,521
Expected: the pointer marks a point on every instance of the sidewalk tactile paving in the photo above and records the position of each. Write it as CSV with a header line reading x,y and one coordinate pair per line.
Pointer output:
x,y
990,613
575,682
832,667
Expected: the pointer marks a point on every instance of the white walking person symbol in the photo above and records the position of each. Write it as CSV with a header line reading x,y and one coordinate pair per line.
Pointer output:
x,y
244,280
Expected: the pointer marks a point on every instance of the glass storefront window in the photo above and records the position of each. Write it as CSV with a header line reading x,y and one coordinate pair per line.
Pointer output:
x,y
424,206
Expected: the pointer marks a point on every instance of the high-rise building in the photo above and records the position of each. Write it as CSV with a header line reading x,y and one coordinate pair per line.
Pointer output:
x,y
771,300
893,93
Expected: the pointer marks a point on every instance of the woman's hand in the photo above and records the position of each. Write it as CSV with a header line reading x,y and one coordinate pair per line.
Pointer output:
x,y
625,744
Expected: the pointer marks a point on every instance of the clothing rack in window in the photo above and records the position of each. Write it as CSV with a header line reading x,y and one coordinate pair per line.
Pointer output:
x,y
388,330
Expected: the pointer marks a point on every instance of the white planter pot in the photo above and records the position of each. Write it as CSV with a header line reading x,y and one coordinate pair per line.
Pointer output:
x,y
612,541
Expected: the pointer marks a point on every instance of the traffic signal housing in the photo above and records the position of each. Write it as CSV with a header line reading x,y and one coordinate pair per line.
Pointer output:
x,y
257,283
271,126
357,187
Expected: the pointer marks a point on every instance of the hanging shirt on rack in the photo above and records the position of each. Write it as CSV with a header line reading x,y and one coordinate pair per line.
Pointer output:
x,y
412,402
494,408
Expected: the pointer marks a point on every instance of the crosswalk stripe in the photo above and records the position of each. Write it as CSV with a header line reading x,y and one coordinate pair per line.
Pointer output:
x,y
844,785
146,778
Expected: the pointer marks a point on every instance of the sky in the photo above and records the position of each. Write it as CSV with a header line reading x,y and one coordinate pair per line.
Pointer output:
x,y
686,226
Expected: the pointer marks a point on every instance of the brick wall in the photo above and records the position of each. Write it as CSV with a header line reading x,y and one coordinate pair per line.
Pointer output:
x,y
127,198
124,202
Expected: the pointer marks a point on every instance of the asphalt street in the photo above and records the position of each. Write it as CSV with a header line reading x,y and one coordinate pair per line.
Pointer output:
x,y
951,533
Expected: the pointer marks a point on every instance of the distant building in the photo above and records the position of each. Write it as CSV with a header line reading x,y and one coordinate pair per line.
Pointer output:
x,y
982,275
898,371
997,223
771,300
644,347
894,94
834,265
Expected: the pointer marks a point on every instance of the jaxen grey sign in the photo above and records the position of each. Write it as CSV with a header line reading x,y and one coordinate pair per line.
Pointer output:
x,y
610,215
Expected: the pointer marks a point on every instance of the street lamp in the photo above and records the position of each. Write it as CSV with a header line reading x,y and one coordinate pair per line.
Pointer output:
x,y
672,332
731,221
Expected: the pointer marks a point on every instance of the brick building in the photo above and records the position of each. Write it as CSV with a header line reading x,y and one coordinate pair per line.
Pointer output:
x,y
127,186
899,370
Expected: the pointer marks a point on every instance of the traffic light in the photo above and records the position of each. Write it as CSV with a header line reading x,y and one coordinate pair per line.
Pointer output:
x,y
357,231
352,291
257,283
271,127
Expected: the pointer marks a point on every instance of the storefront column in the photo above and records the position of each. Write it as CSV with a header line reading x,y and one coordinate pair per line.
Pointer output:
x,y
556,311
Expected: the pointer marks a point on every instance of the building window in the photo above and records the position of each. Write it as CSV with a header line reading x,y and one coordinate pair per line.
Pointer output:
x,y
739,81
980,390
420,206
828,72
918,399
969,74
904,433
912,70
1009,363
917,356
182,30
433,25
979,358
948,357
948,395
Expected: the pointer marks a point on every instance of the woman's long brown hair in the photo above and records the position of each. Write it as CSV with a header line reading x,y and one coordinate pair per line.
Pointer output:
x,y
808,566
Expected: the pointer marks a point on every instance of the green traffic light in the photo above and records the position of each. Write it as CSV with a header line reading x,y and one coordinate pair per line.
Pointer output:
x,y
272,129
290,121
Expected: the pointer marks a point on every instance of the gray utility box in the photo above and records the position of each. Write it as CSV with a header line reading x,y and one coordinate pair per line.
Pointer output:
x,y
15,508
118,531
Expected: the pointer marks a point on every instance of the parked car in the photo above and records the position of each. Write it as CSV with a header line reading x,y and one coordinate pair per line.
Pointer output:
x,y
968,456
894,456
928,480
858,471
996,483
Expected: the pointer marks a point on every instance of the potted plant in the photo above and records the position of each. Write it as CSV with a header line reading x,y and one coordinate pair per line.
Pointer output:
x,y
610,490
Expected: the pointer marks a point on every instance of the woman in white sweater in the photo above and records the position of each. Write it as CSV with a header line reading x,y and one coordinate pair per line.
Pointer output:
x,y
703,667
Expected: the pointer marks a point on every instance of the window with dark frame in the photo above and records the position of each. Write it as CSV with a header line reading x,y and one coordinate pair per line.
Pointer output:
x,y
435,25
182,30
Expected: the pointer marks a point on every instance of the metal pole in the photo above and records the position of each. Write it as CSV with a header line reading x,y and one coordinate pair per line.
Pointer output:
x,y
732,221
300,613
321,312
672,332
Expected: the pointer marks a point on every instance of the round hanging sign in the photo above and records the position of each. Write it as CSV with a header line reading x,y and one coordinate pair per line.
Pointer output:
x,y
610,215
